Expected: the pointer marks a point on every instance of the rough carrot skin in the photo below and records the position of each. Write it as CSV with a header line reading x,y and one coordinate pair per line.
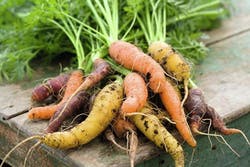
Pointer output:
x,y
199,110
74,103
152,128
105,108
46,112
131,57
136,93
51,87
172,62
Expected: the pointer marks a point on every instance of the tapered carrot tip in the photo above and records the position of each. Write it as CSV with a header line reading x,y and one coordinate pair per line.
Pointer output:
x,y
129,105
229,131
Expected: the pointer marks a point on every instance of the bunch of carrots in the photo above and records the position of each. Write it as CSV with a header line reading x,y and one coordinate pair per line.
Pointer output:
x,y
116,84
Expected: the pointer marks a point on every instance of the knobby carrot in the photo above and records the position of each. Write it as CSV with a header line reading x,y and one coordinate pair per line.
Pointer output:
x,y
199,110
152,128
46,112
131,57
136,93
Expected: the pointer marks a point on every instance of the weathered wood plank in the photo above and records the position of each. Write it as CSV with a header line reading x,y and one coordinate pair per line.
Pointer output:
x,y
9,137
237,23
228,29
96,153
225,76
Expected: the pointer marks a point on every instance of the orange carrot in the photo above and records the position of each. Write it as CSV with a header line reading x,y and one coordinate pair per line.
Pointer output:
x,y
121,126
46,112
136,93
173,105
131,57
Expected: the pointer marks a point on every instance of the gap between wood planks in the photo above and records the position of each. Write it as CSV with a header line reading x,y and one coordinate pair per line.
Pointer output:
x,y
227,37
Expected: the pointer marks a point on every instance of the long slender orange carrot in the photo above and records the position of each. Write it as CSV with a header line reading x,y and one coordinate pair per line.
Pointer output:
x,y
136,93
46,112
173,105
131,57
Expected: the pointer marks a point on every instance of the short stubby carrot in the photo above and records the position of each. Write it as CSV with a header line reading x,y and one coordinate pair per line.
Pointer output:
x,y
120,126
126,129
52,86
46,112
136,93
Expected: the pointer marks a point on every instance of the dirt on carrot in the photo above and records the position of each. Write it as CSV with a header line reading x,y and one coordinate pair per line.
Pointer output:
x,y
131,57
172,62
104,109
152,128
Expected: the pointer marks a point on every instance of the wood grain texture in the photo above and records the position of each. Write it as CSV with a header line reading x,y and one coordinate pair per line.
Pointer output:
x,y
224,77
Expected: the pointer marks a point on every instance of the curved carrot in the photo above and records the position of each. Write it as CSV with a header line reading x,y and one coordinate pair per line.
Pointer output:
x,y
80,96
75,80
152,128
199,110
131,57
136,93
50,87
105,108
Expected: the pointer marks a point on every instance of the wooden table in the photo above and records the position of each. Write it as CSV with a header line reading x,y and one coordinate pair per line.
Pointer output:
x,y
224,77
